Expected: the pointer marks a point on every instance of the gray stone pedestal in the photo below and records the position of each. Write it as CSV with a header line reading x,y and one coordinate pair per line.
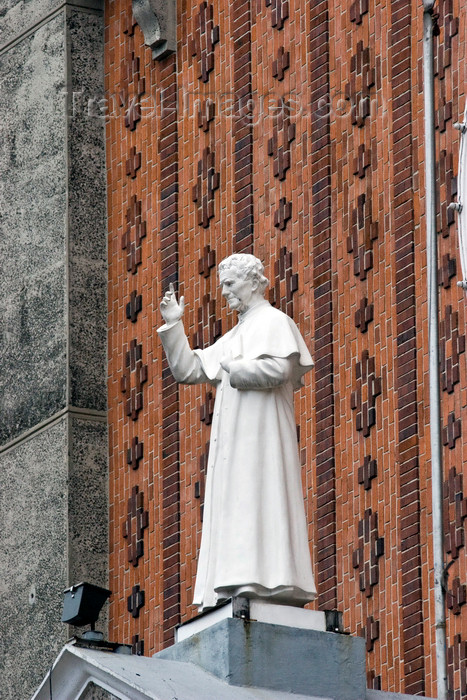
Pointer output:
x,y
255,654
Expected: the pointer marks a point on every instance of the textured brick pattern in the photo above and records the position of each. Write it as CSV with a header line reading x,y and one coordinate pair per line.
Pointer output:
x,y
293,130
243,127
326,565
406,380
169,254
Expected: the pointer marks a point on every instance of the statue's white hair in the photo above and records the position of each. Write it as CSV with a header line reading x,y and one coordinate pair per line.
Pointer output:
x,y
247,267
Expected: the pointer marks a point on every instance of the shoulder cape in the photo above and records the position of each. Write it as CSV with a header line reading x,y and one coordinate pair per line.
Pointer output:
x,y
264,332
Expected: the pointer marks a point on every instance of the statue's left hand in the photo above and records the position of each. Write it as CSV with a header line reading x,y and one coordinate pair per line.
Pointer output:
x,y
171,309
225,363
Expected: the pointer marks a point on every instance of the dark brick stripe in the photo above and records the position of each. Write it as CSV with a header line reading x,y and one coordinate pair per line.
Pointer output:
x,y
322,276
406,380
242,128
168,154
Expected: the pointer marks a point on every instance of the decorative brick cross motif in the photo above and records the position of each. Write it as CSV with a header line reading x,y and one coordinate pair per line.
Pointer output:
x,y
134,453
371,632
362,79
357,9
134,306
207,261
133,162
133,236
361,162
442,115
136,374
282,214
207,319
206,36
133,114
364,315
362,221
370,549
363,259
207,409
363,399
360,65
367,472
134,526
457,659
135,601
449,181
456,597
133,86
129,74
206,113
207,184
455,513
451,431
447,270
279,144
452,345
360,105
137,645
449,26
281,63
285,283
279,12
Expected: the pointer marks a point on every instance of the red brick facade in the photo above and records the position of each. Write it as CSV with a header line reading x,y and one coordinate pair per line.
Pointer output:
x,y
293,130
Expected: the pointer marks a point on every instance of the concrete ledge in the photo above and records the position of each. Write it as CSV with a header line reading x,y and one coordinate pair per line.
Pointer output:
x,y
254,654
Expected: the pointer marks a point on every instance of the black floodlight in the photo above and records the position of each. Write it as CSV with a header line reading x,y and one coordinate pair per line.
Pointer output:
x,y
83,603
334,621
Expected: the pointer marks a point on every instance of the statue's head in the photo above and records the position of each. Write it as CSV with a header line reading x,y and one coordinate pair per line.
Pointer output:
x,y
247,267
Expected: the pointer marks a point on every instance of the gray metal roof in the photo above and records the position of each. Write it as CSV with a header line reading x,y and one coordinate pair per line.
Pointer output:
x,y
143,678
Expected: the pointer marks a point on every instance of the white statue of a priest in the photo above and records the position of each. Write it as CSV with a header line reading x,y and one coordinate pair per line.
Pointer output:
x,y
254,541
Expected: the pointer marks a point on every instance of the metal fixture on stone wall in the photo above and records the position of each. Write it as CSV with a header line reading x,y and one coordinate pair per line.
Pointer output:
x,y
334,621
82,605
157,20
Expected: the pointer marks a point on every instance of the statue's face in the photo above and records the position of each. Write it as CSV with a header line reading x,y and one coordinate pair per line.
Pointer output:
x,y
238,292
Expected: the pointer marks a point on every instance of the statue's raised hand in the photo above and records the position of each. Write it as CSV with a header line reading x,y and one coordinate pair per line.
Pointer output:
x,y
171,309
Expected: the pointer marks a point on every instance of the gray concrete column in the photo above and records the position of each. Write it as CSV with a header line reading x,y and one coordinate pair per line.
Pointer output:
x,y
53,277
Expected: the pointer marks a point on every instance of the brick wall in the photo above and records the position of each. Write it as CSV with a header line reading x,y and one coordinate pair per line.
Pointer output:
x,y
205,160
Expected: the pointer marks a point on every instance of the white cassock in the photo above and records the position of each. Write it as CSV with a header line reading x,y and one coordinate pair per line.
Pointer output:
x,y
254,540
